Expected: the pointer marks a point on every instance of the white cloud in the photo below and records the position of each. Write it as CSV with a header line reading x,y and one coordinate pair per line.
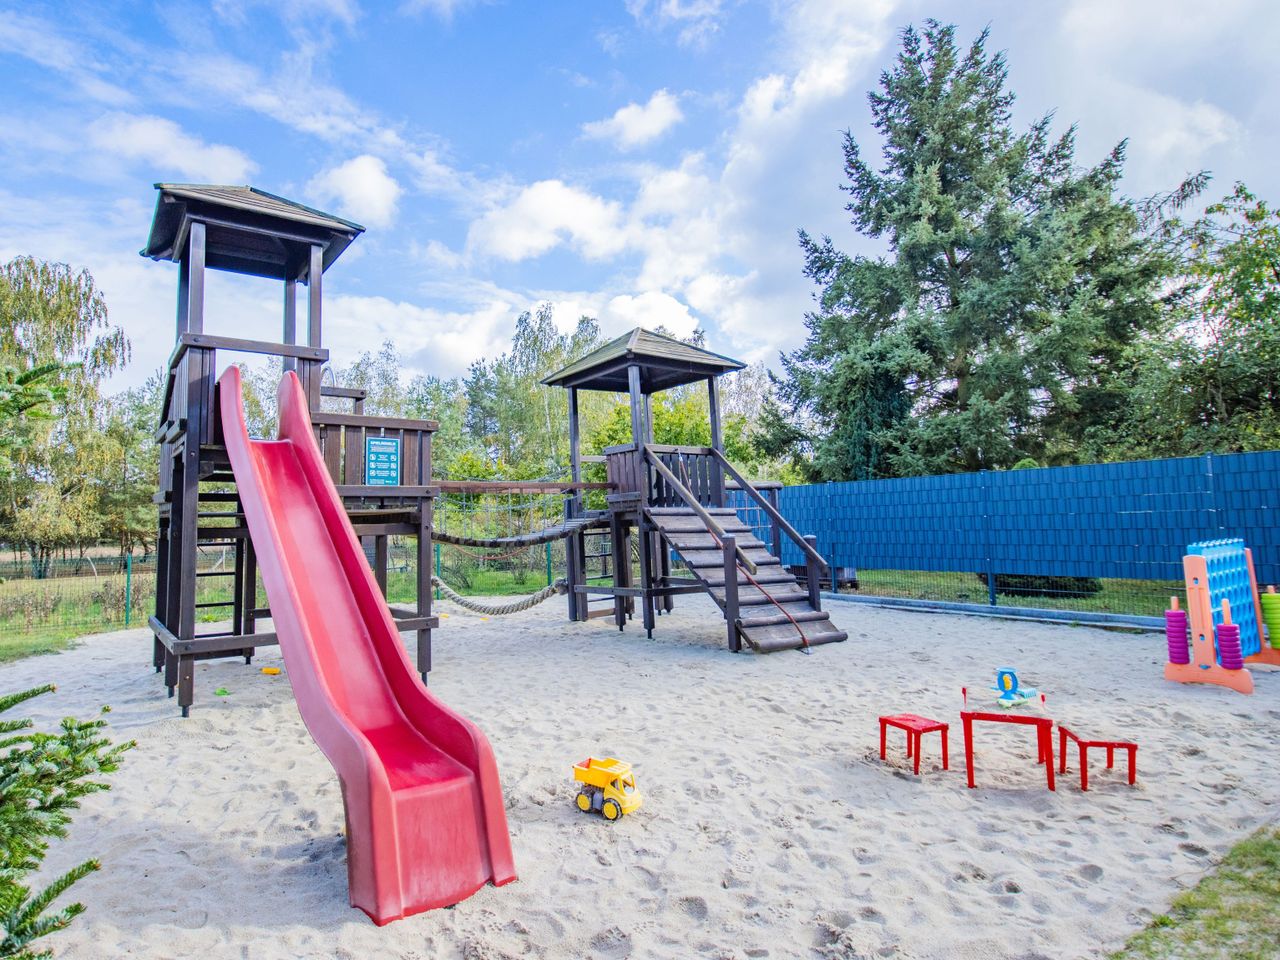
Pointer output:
x,y
166,148
695,20
362,188
637,124
33,39
542,216
432,340
444,9
650,309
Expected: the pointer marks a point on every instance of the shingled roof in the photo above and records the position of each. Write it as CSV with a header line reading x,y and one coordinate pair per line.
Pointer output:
x,y
248,230
664,362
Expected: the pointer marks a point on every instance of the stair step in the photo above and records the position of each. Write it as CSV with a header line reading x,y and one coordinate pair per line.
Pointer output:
x,y
766,576
778,619
687,512
688,542
787,637
702,559
749,596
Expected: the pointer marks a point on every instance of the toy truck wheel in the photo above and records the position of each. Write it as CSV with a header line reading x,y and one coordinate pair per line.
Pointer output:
x,y
610,810
584,801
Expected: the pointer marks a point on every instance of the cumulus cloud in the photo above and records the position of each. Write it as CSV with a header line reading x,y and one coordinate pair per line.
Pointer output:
x,y
541,217
637,124
362,189
166,148
694,20
650,309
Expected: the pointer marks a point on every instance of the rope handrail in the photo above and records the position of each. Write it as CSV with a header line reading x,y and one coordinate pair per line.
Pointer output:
x,y
548,534
518,605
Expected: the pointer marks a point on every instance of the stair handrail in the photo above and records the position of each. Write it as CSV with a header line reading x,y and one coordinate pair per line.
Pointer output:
x,y
691,501
772,512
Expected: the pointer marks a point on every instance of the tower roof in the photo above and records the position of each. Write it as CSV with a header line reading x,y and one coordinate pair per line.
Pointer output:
x,y
664,362
247,230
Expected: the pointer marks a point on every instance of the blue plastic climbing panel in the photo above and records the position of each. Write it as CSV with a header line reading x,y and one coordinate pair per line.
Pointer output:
x,y
1229,580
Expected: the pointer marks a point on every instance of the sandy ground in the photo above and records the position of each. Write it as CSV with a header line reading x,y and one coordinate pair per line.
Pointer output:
x,y
770,827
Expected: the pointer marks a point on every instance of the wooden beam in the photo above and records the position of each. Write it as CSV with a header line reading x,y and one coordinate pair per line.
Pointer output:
x,y
290,318
315,276
637,421
326,418
195,291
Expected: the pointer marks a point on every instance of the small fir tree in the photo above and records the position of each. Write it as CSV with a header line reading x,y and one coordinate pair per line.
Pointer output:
x,y
43,777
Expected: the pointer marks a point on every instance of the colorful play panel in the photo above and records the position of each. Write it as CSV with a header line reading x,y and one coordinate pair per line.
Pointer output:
x,y
1221,629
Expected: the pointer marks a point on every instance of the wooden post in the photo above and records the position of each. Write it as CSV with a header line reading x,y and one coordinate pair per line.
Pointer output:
x,y
195,278
812,575
291,320
644,543
717,440
424,586
162,578
380,563
637,402
572,506
315,283
730,544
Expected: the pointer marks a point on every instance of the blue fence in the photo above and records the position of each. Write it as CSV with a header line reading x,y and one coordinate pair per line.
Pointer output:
x,y
1116,520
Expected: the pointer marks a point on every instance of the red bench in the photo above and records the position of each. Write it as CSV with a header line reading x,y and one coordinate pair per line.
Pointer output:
x,y
915,726
1111,746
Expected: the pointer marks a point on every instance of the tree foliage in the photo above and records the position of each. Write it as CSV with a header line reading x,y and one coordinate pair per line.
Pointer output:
x,y
43,777
54,318
1012,284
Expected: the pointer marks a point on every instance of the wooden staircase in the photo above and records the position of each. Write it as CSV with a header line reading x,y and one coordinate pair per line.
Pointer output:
x,y
770,608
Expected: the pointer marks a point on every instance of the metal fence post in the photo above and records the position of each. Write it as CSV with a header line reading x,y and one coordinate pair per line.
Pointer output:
x,y
128,586
985,487
548,563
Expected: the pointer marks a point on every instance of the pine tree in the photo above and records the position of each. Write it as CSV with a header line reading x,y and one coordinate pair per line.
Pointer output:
x,y
43,777
1013,281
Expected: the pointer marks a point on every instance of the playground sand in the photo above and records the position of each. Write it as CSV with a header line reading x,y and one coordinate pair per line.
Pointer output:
x,y
770,826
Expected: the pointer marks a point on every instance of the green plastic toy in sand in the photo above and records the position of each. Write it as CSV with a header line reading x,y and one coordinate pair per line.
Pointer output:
x,y
222,692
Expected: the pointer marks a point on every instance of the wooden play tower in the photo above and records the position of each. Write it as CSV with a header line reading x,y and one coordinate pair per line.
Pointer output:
x,y
381,465
681,502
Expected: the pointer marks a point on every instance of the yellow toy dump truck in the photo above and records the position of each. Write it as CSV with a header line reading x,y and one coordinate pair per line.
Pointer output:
x,y
608,787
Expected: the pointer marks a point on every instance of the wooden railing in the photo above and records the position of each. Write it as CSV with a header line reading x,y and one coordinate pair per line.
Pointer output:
x,y
342,439
685,496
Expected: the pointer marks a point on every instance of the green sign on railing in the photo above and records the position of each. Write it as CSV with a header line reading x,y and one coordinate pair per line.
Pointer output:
x,y
382,461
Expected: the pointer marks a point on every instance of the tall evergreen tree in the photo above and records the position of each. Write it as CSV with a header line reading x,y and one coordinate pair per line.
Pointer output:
x,y
1012,282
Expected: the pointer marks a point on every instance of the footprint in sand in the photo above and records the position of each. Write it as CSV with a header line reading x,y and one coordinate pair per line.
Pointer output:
x,y
1194,849
1091,872
611,943
694,907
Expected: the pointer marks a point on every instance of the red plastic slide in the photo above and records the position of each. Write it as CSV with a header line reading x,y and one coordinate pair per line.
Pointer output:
x,y
425,821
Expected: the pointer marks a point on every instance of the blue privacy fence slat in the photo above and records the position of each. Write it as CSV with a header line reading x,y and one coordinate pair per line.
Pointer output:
x,y
1114,520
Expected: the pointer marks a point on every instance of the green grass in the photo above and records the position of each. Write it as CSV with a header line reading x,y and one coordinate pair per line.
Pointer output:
x,y
1232,913
1146,598
16,646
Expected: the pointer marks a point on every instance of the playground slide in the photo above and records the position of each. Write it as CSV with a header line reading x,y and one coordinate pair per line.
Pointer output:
x,y
426,826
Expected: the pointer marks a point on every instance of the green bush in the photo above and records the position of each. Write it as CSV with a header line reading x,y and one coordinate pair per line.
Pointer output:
x,y
1031,585
43,776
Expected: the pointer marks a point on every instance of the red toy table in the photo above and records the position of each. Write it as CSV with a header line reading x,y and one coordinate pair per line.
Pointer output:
x,y
1084,745
1044,737
915,726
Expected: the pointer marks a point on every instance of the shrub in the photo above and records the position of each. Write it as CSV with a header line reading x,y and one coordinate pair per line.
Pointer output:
x,y
42,778
1032,585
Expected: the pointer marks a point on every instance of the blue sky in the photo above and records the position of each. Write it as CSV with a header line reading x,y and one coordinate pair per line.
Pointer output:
x,y
641,161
